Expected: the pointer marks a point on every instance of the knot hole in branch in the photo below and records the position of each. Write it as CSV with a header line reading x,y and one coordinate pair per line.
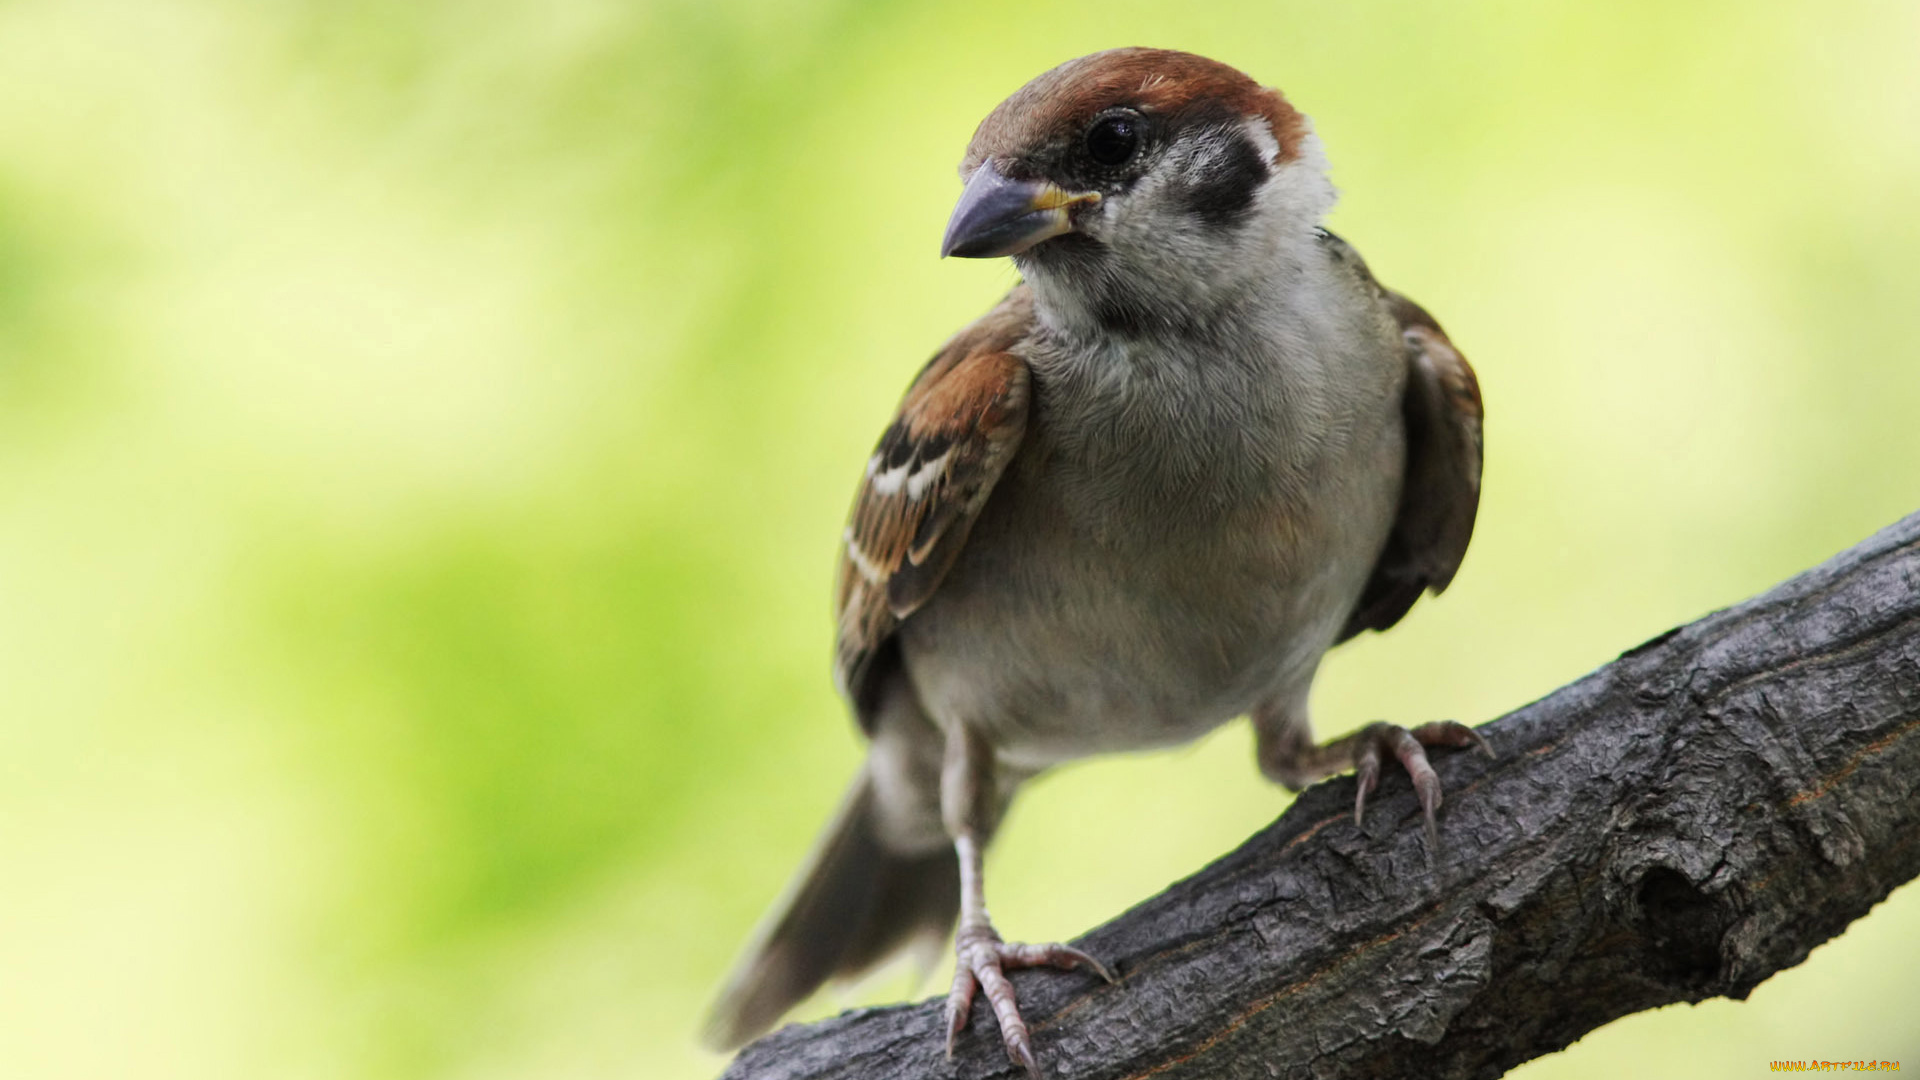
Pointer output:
x,y
1682,929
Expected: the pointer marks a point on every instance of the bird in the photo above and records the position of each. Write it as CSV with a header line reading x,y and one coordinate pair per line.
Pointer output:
x,y
1196,447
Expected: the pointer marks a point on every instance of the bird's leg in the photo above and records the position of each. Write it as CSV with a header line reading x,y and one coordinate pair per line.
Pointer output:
x,y
981,958
1289,755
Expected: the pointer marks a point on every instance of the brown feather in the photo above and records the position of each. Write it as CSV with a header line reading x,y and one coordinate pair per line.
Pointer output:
x,y
928,478
1058,104
1440,495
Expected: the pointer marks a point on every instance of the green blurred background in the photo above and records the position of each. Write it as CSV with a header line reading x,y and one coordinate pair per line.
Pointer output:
x,y
425,429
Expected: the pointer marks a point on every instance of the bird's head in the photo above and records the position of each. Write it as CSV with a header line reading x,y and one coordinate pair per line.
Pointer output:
x,y
1137,188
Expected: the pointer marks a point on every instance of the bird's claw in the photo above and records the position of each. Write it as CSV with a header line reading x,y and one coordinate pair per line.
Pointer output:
x,y
981,961
1409,747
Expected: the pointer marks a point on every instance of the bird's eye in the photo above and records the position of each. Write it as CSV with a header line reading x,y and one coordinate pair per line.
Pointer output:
x,y
1113,140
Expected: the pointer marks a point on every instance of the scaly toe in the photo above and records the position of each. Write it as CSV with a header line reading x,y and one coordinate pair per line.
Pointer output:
x,y
1454,734
1021,1052
1366,774
959,1004
981,963
1373,743
1064,957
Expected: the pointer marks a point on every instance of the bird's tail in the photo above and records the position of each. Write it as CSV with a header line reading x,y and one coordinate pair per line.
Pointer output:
x,y
853,904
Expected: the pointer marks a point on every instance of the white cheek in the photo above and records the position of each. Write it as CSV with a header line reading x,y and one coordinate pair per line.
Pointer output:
x,y
1261,133
1164,257
1300,191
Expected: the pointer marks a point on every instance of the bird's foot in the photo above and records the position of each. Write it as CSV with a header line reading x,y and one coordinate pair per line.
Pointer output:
x,y
981,961
1375,742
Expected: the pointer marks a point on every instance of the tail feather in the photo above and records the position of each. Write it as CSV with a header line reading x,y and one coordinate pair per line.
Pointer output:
x,y
854,904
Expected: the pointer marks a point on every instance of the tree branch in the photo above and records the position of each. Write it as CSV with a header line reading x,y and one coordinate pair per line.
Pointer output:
x,y
1678,825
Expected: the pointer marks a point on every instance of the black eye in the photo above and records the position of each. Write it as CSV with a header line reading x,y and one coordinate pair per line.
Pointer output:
x,y
1113,140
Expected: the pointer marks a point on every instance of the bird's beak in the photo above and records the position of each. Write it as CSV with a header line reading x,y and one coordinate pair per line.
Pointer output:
x,y
997,216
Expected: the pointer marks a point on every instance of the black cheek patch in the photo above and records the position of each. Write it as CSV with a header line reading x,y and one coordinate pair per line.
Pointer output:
x,y
1225,192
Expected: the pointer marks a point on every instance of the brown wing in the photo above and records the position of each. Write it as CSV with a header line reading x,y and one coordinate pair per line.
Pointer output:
x,y
1441,492
957,428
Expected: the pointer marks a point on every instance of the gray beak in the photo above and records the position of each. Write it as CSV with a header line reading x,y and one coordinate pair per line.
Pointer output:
x,y
997,216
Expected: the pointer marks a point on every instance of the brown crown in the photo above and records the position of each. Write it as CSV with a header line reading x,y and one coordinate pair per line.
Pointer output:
x,y
1059,103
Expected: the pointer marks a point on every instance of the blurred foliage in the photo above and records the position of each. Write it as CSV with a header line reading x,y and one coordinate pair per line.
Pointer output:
x,y
425,430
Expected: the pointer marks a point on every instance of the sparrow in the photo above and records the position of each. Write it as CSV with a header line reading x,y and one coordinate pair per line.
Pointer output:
x,y
1197,447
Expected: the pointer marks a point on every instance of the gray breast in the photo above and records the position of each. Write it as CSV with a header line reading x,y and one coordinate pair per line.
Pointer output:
x,y
1181,535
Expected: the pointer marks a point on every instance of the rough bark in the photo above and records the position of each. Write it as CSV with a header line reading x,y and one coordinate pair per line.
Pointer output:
x,y
1678,825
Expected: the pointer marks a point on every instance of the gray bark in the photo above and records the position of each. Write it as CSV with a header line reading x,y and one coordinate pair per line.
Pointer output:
x,y
1678,825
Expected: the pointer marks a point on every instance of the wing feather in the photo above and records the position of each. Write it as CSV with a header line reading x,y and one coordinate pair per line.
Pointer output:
x,y
958,426
1440,494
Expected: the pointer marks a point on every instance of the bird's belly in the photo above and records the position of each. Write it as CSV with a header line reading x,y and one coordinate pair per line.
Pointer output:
x,y
1056,647
1112,597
